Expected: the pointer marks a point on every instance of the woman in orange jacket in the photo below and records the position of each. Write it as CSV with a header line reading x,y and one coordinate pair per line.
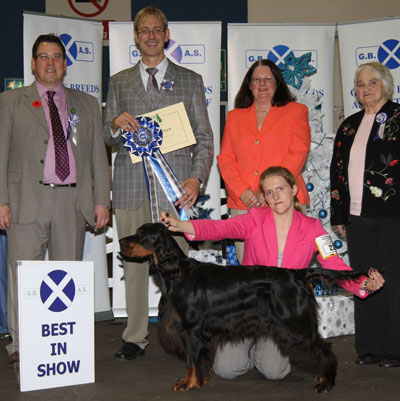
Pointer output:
x,y
266,128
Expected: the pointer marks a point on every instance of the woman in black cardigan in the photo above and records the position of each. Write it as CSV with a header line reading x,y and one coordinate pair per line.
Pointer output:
x,y
365,207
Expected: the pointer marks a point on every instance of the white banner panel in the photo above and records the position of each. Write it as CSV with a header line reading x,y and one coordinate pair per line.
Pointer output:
x,y
56,324
194,45
83,45
84,49
248,43
304,53
364,42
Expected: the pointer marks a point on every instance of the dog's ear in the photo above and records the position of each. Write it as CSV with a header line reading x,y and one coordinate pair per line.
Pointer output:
x,y
167,250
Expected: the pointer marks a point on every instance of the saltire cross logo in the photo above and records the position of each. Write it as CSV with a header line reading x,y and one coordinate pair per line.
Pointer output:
x,y
389,53
57,291
71,49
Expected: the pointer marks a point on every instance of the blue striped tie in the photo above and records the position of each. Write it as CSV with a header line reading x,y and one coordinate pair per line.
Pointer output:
x,y
152,87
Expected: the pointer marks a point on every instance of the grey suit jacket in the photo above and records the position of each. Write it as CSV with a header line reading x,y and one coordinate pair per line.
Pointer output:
x,y
126,93
23,142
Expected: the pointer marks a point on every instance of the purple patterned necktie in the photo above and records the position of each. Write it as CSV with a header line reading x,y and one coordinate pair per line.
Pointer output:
x,y
60,144
152,86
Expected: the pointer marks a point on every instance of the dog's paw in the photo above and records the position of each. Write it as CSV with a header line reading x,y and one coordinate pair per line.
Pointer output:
x,y
185,385
322,387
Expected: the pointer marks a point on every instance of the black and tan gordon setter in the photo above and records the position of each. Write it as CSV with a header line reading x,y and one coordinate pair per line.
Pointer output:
x,y
204,305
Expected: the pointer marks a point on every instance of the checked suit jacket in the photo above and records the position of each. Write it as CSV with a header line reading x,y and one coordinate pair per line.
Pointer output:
x,y
24,136
126,93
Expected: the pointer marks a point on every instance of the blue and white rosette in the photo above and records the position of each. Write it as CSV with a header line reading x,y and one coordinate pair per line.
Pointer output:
x,y
381,119
146,143
73,122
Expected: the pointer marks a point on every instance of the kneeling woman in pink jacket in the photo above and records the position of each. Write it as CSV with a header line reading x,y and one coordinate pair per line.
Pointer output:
x,y
278,235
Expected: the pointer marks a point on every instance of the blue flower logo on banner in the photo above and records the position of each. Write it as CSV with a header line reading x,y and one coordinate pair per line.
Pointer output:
x,y
57,291
296,68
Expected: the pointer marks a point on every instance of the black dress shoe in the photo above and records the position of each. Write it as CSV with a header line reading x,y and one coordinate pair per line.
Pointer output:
x,y
129,352
389,362
13,360
368,359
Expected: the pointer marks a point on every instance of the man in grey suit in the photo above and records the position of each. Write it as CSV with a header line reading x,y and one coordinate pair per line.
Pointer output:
x,y
46,194
131,93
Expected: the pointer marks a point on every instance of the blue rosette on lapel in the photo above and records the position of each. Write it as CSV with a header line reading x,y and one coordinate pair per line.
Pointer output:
x,y
146,143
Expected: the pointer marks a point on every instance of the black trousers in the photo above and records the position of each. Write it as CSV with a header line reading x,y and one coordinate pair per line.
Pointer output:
x,y
376,243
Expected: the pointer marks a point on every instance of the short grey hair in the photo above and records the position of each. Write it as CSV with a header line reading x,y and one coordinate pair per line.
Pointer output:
x,y
381,72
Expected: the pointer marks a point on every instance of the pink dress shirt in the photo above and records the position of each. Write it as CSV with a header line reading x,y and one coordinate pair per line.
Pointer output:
x,y
60,99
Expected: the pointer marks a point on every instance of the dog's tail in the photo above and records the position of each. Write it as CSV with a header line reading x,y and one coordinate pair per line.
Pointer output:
x,y
332,276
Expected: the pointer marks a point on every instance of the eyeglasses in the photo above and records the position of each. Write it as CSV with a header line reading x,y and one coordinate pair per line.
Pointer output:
x,y
45,57
147,32
266,80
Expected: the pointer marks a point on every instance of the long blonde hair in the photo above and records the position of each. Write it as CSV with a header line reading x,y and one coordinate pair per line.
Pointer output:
x,y
284,173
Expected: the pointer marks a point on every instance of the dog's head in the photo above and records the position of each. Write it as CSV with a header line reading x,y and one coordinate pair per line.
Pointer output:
x,y
141,244
151,239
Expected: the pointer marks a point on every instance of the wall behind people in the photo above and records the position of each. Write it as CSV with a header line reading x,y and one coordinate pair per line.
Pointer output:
x,y
11,64
317,11
11,26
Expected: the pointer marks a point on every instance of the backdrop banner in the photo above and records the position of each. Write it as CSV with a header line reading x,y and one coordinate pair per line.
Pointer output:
x,y
363,42
83,41
194,45
305,54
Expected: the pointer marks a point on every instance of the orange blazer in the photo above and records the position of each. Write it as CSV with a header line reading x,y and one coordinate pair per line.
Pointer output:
x,y
284,140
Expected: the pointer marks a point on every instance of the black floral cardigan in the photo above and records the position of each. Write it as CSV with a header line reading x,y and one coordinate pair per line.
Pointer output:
x,y
381,193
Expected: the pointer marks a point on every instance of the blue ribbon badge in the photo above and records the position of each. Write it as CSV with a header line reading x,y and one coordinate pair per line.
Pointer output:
x,y
146,143
381,119
73,122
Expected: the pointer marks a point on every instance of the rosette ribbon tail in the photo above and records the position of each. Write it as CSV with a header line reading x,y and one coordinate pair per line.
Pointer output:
x,y
151,190
146,143
170,184
73,121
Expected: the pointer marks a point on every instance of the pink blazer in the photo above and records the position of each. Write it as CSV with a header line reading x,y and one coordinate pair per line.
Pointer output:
x,y
257,229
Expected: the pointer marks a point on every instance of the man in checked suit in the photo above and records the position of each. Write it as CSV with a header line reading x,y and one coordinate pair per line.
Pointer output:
x,y
127,98
41,206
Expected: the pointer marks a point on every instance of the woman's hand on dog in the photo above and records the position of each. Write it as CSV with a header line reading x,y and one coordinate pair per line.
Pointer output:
x,y
176,225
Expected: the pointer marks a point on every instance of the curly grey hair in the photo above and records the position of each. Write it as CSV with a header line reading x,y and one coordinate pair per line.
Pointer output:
x,y
382,73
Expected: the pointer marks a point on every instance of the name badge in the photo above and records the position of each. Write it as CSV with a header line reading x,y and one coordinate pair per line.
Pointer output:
x,y
325,246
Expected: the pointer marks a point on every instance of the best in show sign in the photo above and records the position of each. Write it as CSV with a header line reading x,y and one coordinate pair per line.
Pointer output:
x,y
56,324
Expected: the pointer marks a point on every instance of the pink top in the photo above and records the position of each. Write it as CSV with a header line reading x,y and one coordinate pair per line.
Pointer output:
x,y
257,229
60,99
357,162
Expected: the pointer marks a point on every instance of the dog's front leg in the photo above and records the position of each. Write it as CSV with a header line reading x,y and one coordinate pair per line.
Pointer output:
x,y
189,382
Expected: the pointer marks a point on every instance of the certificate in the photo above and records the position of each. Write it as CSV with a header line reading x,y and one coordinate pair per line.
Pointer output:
x,y
175,125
